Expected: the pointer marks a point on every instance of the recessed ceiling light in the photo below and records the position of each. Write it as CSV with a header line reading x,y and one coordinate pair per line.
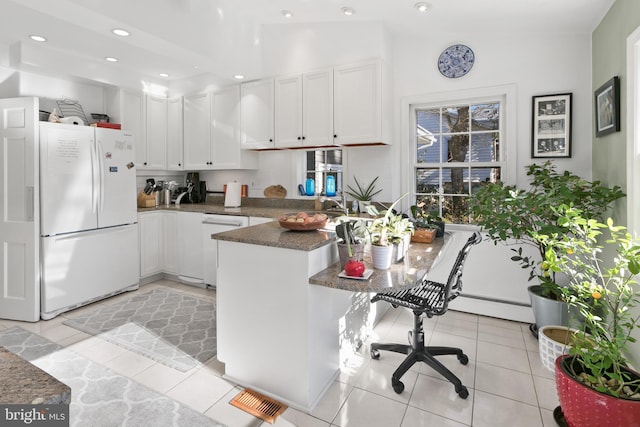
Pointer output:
x,y
422,6
348,11
164,75
120,32
287,13
38,38
238,77
111,59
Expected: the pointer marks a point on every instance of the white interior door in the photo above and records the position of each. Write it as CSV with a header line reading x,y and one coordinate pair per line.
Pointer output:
x,y
19,222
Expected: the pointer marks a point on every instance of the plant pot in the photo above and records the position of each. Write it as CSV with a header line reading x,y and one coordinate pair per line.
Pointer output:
x,y
424,235
343,253
362,205
440,231
381,256
400,249
584,407
547,311
553,342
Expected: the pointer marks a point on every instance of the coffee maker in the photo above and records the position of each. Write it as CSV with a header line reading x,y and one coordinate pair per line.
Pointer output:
x,y
196,189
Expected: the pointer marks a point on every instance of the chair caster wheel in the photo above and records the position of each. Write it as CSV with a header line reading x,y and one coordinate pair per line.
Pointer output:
x,y
397,385
375,354
462,392
463,359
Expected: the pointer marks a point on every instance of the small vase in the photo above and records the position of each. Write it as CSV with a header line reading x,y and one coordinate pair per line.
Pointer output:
x,y
381,256
362,205
343,253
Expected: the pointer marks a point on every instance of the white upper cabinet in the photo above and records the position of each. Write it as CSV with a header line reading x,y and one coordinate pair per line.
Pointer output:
x,y
197,132
127,108
304,110
175,160
226,152
256,114
155,148
361,104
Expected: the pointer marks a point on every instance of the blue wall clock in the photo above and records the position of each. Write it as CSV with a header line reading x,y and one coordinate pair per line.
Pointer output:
x,y
456,61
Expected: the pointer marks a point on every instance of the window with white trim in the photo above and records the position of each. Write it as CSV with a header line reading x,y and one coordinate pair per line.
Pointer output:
x,y
456,147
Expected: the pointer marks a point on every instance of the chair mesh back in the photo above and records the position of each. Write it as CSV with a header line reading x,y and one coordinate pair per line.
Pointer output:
x,y
454,282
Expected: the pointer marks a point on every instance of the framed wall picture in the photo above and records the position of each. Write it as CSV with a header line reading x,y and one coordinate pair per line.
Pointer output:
x,y
607,99
551,126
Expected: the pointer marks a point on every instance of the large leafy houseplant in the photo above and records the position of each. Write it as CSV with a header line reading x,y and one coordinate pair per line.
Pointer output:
x,y
602,262
509,214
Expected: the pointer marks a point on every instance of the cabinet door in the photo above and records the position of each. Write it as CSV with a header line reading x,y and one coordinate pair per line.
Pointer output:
x,y
225,145
174,134
156,133
170,256
197,131
288,112
132,120
317,109
256,109
190,247
150,238
357,103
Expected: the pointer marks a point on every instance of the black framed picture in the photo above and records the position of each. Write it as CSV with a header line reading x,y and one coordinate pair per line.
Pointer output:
x,y
551,126
607,99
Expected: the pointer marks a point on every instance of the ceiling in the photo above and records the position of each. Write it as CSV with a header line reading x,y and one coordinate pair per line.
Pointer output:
x,y
219,38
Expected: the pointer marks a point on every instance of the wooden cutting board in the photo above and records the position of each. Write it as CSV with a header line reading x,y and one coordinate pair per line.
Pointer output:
x,y
275,192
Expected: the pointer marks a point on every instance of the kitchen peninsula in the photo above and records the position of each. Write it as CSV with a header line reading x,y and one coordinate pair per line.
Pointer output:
x,y
285,322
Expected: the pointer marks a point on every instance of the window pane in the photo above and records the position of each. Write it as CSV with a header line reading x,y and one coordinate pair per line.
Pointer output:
x,y
455,180
455,209
455,119
457,148
428,121
480,176
485,117
427,181
428,150
485,147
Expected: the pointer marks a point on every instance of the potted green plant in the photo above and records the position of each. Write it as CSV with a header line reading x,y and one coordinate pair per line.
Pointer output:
x,y
386,229
605,293
515,216
363,194
424,222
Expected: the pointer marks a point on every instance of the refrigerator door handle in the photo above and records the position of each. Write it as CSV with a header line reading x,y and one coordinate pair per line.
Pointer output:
x,y
94,177
101,176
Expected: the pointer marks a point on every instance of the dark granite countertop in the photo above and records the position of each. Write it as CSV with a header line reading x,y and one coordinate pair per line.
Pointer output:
x,y
30,384
407,273
272,234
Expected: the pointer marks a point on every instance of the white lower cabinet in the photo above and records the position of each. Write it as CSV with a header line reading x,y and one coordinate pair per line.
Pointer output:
x,y
149,234
190,247
170,258
162,244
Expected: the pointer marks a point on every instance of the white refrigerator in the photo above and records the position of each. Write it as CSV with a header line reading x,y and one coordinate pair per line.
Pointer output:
x,y
88,231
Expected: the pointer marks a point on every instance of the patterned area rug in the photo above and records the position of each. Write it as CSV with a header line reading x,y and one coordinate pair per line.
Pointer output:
x,y
169,327
100,397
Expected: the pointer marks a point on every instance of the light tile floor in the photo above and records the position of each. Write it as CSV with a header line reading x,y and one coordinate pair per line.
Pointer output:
x,y
508,386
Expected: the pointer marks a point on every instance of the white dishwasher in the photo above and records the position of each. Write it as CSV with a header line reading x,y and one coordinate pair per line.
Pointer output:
x,y
212,224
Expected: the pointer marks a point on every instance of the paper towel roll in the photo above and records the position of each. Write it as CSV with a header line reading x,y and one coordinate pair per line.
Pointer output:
x,y
233,195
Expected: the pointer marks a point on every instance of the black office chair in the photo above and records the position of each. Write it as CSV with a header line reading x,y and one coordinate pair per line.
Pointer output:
x,y
431,299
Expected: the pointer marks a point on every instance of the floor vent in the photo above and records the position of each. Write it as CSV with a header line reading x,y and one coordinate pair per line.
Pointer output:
x,y
258,405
